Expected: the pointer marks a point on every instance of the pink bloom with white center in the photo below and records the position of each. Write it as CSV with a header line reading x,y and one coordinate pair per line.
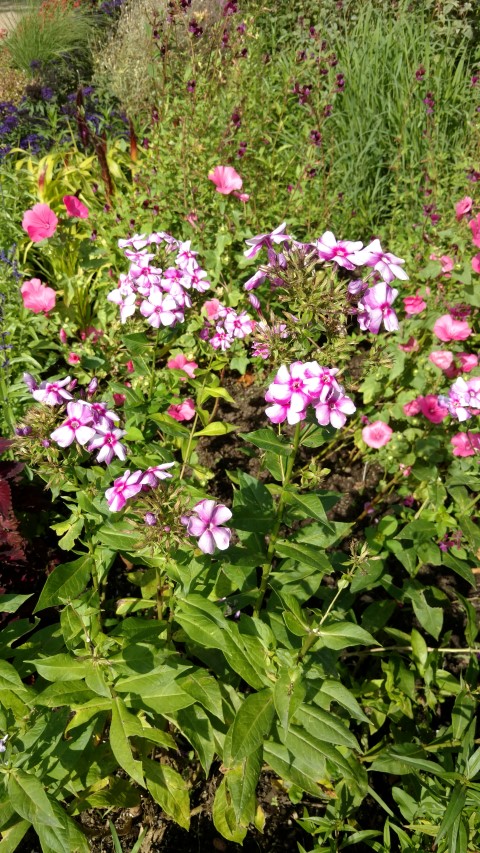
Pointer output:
x,y
290,392
37,297
414,304
375,308
343,252
459,400
335,409
238,325
186,258
180,362
73,358
377,434
260,240
106,441
410,346
432,409
144,277
321,381
388,265
226,179
197,280
153,476
141,257
441,358
221,339
75,208
160,309
52,393
466,443
182,411
206,525
75,428
125,300
412,408
39,222
123,488
448,329
474,226
100,413
463,207
476,263
212,308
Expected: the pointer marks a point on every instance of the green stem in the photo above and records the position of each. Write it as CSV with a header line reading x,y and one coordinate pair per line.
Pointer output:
x,y
189,445
312,637
267,565
160,584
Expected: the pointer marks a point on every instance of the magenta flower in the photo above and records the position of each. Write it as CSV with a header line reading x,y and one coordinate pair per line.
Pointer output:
x,y
474,226
334,409
463,207
37,297
226,179
75,428
448,329
266,240
466,443
377,434
414,304
388,265
206,525
476,263
106,441
123,488
410,346
343,252
52,393
432,409
238,325
180,362
182,411
375,308
212,308
290,392
39,222
412,408
75,207
152,476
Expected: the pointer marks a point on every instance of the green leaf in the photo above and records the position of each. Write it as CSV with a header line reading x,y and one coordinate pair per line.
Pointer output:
x,y
216,392
61,668
169,790
403,758
119,536
306,555
288,766
336,691
169,426
204,688
456,802
241,782
125,725
340,635
224,817
66,582
267,439
288,694
215,428
253,508
67,542
430,618
10,603
460,567
195,725
251,725
325,726
12,835
67,836
311,506
28,798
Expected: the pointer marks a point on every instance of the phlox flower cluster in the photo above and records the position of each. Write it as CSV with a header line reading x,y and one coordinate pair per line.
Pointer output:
x,y
463,399
224,325
161,293
303,384
375,305
129,485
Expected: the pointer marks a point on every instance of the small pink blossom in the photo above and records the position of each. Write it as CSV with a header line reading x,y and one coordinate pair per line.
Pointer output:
x,y
467,361
476,263
389,266
343,252
260,241
106,441
52,393
405,469
73,358
412,408
432,409
206,525
466,443
474,226
75,207
441,358
119,399
123,488
39,222
180,362
130,367
226,179
463,207
414,304
182,411
63,336
377,434
375,308
447,263
153,476
448,329
212,308
410,346
37,297
75,428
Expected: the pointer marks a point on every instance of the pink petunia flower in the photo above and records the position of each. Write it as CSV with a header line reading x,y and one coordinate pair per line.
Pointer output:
x,y
466,443
377,434
474,226
182,411
441,358
75,428
75,208
180,362
410,346
206,525
448,329
476,263
412,408
39,222
414,304
123,488
37,297
463,207
212,308
226,179
432,409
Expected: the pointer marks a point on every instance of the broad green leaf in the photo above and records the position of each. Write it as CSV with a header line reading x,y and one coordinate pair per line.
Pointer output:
x,y
287,766
27,796
306,555
325,726
125,725
288,694
337,692
195,725
73,693
253,508
340,635
67,542
404,758
10,680
169,790
460,567
224,817
12,835
430,618
251,725
310,504
169,426
215,428
66,582
204,688
119,537
61,668
463,712
10,603
68,836
109,792
267,439
241,782
215,392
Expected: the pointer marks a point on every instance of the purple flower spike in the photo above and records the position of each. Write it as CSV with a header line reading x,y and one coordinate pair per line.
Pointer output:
x,y
206,525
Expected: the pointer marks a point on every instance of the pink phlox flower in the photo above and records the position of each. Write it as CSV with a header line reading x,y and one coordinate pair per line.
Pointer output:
x,y
30,382
184,411
154,475
474,226
212,308
161,309
476,263
144,278
377,434
158,237
226,179
221,339
463,207
186,258
356,288
320,381
180,362
448,329
432,409
123,488
375,308
125,300
260,240
255,280
292,390
334,409
238,325
459,400
75,428
37,297
39,222
441,358
466,443
206,525
138,241
107,441
473,386
197,280
414,304
343,252
75,208
410,346
140,256
52,393
412,408
386,264
100,412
